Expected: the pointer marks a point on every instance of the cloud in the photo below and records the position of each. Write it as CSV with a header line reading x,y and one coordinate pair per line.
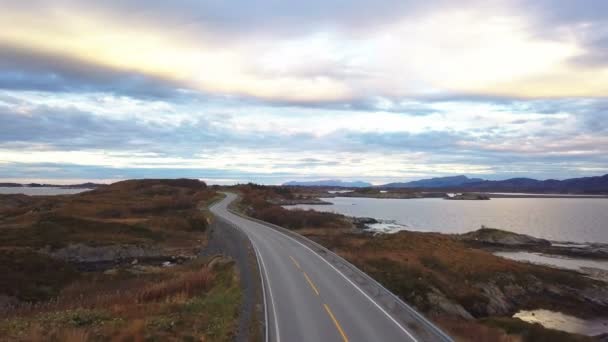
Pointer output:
x,y
25,69
305,54
384,89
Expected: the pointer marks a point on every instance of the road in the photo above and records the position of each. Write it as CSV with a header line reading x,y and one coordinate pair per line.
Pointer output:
x,y
308,299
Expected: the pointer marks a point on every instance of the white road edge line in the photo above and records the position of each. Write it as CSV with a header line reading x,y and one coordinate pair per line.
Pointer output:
x,y
274,310
347,279
257,256
264,279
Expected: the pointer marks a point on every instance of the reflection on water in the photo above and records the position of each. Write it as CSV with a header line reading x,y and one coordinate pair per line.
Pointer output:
x,y
46,191
560,219
559,321
553,260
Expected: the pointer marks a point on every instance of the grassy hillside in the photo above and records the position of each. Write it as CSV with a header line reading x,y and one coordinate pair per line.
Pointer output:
x,y
119,262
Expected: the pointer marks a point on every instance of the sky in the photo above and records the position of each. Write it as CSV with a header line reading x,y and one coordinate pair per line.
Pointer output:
x,y
273,90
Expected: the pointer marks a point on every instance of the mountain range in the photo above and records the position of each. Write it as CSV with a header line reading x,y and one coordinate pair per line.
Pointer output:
x,y
438,182
584,185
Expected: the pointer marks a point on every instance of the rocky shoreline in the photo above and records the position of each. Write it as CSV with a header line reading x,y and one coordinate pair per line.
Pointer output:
x,y
496,239
501,240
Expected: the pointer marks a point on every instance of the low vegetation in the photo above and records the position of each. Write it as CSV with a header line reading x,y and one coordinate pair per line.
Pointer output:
x,y
116,263
468,291
186,302
257,201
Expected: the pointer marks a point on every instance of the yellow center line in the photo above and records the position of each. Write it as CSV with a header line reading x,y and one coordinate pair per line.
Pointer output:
x,y
333,318
295,262
311,283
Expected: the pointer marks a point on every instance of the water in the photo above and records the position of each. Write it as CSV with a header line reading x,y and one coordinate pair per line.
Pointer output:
x,y
559,321
560,219
46,191
576,264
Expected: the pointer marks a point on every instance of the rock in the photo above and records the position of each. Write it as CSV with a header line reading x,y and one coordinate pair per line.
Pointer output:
x,y
442,306
82,253
218,261
501,237
363,222
497,305
111,271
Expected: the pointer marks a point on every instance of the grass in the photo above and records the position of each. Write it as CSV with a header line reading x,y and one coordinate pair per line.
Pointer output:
x,y
29,276
188,302
414,264
42,298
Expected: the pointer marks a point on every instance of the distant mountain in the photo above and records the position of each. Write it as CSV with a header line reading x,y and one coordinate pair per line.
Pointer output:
x,y
10,185
331,183
88,185
584,185
588,185
438,182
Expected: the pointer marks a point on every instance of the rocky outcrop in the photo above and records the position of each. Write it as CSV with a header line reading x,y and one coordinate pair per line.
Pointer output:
x,y
440,305
81,253
363,222
493,239
499,237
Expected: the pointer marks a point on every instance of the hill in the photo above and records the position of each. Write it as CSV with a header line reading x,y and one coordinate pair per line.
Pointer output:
x,y
437,182
330,183
584,185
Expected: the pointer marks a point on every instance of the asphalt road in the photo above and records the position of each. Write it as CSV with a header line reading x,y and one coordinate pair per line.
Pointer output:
x,y
308,299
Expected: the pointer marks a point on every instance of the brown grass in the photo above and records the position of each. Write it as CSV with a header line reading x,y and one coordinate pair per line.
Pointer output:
x,y
132,307
186,286
51,300
413,264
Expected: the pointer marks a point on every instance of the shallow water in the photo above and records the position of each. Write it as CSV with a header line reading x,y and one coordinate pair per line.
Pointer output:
x,y
554,260
559,219
559,321
46,191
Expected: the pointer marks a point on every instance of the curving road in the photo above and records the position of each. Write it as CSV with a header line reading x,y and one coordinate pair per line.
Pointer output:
x,y
308,299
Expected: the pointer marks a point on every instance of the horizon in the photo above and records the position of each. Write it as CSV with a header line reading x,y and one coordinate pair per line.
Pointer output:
x,y
229,182
379,91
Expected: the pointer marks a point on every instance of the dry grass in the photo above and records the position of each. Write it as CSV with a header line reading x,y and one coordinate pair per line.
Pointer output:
x,y
413,264
46,299
185,286
181,301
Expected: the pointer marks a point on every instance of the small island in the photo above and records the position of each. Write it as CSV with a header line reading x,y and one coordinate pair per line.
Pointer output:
x,y
468,197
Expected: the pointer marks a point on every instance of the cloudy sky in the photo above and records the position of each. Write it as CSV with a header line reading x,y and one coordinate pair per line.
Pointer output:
x,y
275,90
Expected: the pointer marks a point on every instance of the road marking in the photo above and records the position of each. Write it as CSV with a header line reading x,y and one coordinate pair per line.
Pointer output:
x,y
295,262
263,269
274,310
333,318
265,225
311,283
257,256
